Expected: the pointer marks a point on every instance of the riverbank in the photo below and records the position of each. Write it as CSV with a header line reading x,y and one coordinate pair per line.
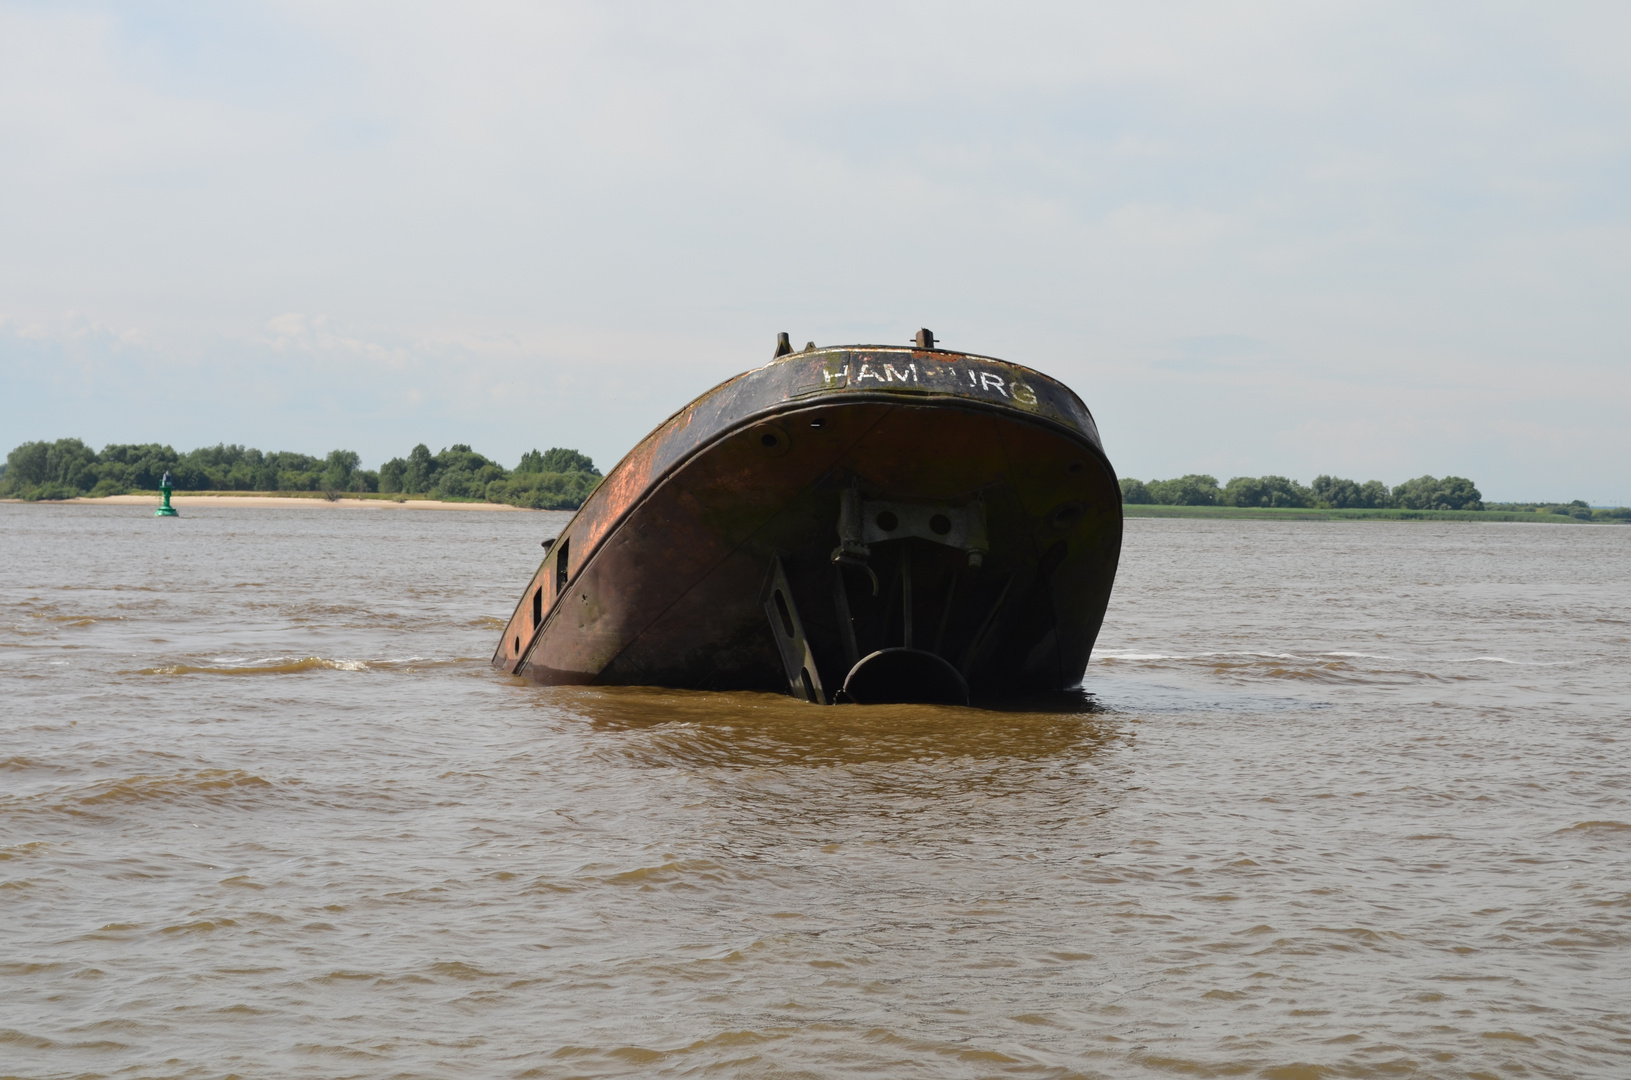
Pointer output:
x,y
1303,514
313,500
370,501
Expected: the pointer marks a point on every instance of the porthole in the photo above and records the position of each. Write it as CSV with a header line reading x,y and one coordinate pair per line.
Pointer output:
x,y
769,439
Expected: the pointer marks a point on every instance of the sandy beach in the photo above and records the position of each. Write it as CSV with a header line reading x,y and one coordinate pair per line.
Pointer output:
x,y
183,502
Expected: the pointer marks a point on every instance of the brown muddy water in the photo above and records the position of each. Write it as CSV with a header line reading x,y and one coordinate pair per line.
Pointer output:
x,y
1338,799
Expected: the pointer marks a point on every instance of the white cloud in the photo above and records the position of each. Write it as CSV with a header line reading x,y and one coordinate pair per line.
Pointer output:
x,y
511,224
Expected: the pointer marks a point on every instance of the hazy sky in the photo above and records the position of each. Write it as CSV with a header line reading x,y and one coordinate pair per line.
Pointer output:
x,y
1371,239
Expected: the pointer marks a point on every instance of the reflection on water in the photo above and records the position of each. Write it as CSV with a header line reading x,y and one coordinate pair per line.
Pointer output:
x,y
1339,799
756,730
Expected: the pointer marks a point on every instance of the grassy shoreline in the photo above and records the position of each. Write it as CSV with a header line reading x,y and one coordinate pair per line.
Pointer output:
x,y
318,495
366,495
1147,510
284,499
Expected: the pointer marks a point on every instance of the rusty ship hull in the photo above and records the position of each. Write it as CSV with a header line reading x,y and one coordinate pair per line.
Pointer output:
x,y
864,523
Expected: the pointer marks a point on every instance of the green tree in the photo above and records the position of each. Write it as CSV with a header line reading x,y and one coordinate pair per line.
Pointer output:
x,y
1265,491
138,466
1338,494
462,473
222,467
1196,489
1375,494
420,474
54,470
558,478
390,475
338,468
1134,492
558,459
1431,493
544,491
1335,492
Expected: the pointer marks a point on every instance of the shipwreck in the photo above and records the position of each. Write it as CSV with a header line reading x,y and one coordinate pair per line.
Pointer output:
x,y
859,523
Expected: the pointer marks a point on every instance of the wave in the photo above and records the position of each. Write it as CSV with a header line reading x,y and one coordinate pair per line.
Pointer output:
x,y
1504,660
287,665
1333,668
1334,660
1606,826
205,783
116,796
76,620
1298,668
1137,656
277,667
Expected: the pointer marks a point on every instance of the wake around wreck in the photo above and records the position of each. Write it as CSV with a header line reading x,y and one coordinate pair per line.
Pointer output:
x,y
857,523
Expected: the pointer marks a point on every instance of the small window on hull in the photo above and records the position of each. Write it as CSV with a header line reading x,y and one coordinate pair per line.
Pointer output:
x,y
537,606
786,616
560,566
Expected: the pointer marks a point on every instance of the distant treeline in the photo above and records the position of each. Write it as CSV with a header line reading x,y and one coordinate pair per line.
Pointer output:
x,y
1326,492
1578,508
1335,493
556,479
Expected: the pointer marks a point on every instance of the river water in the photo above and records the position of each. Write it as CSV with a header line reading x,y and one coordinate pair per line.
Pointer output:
x,y
1339,799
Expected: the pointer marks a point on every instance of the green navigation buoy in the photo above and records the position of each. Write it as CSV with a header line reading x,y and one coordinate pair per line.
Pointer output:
x,y
166,510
